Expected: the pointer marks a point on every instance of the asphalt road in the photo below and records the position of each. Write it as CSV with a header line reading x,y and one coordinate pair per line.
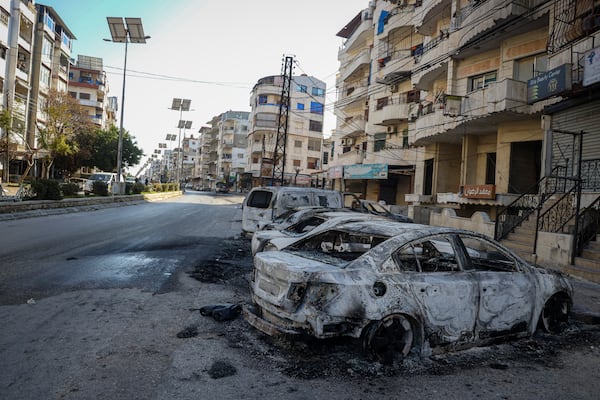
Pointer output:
x,y
104,305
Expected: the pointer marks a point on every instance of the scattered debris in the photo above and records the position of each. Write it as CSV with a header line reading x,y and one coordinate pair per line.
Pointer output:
x,y
221,369
220,312
188,332
31,301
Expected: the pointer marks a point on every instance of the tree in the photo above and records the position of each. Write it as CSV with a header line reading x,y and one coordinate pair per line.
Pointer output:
x,y
65,118
104,146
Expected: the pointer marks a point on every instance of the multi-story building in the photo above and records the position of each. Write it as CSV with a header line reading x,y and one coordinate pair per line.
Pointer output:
x,y
35,54
87,84
203,178
232,145
17,19
498,101
304,129
376,102
191,157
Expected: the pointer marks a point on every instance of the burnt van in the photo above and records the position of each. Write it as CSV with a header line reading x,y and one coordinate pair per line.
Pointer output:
x,y
263,205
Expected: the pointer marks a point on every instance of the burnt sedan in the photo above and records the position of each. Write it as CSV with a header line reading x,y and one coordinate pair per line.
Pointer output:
x,y
404,288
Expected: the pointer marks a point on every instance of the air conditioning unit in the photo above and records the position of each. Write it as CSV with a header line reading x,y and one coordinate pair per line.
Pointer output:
x,y
392,129
412,117
394,88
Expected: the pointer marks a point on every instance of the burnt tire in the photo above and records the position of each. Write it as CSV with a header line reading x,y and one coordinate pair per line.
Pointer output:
x,y
555,315
391,338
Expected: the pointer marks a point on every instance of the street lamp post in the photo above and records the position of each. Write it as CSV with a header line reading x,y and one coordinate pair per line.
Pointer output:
x,y
181,105
182,125
124,31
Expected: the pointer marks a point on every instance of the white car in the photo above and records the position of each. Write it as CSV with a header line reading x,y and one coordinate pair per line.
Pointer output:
x,y
308,223
404,288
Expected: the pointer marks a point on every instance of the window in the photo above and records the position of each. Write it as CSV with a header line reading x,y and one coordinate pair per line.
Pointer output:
x,y
262,99
259,199
530,67
4,16
45,76
381,103
315,126
73,94
434,254
312,163
49,22
296,163
405,138
300,106
3,52
316,91
486,256
316,108
301,88
325,158
66,41
47,49
379,143
490,169
314,144
84,96
481,81
298,144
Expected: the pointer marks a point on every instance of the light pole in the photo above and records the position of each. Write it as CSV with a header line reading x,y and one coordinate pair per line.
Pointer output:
x,y
182,125
124,31
181,105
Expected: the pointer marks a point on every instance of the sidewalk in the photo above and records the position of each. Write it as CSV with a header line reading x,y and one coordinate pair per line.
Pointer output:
x,y
10,210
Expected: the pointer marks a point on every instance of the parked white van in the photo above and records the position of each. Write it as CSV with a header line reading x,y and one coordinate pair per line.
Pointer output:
x,y
107,177
265,204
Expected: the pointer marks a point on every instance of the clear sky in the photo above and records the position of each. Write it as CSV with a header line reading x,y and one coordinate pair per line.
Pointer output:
x,y
209,51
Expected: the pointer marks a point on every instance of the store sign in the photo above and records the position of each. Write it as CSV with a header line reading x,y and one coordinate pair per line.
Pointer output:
x,y
591,67
479,191
336,172
548,84
366,171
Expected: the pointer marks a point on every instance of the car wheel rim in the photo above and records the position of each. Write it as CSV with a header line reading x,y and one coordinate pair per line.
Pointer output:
x,y
555,315
389,338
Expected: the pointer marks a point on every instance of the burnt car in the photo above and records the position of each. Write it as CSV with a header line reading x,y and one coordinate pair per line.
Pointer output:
x,y
305,221
404,288
373,207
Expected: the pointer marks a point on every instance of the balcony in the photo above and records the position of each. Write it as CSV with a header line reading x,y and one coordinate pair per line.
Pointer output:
x,y
351,157
431,61
266,109
350,65
352,92
352,125
483,16
401,17
361,31
480,110
394,110
431,12
394,66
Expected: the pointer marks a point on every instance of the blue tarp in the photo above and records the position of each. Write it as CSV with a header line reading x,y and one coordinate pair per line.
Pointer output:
x,y
382,20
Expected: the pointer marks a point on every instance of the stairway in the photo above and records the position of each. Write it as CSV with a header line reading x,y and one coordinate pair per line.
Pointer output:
x,y
588,265
521,239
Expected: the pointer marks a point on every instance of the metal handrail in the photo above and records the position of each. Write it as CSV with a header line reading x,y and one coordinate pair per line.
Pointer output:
x,y
589,225
527,203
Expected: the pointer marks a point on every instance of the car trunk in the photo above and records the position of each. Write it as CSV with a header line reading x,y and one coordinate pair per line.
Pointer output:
x,y
281,278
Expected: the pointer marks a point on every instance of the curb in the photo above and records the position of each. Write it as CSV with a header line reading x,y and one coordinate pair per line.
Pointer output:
x,y
40,208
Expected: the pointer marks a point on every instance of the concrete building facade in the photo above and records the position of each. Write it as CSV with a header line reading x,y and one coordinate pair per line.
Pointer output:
x,y
304,143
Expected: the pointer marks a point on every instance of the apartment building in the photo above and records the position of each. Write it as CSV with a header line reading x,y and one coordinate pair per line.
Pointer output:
x,y
304,142
376,102
17,19
191,157
87,84
205,174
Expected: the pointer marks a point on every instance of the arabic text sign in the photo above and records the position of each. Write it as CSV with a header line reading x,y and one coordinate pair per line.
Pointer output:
x,y
366,171
479,191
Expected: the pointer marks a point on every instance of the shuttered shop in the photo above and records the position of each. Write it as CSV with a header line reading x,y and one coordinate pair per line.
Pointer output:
x,y
565,147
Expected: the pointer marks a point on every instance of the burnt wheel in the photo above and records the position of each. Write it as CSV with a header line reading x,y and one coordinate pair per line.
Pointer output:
x,y
389,338
555,314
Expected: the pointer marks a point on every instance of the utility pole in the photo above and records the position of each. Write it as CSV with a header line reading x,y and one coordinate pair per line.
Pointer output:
x,y
282,124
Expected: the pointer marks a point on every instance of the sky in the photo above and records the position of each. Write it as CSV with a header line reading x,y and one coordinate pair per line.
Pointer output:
x,y
209,51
